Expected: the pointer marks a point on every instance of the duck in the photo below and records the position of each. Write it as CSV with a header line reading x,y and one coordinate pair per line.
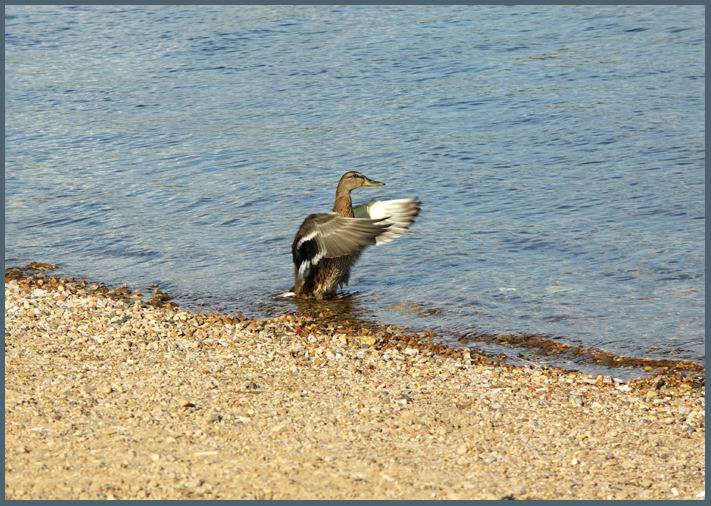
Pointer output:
x,y
327,245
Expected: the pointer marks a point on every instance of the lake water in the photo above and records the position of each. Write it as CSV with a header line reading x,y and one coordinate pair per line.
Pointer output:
x,y
558,153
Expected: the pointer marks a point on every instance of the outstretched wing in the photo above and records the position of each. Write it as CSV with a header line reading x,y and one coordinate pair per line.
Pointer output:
x,y
331,236
399,214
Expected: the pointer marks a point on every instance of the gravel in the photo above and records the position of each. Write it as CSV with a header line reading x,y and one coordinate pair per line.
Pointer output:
x,y
109,396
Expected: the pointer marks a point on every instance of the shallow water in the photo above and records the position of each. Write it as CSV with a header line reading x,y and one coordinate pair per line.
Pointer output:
x,y
558,153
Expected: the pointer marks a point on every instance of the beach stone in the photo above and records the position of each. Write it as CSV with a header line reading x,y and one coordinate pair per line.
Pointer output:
x,y
251,386
194,483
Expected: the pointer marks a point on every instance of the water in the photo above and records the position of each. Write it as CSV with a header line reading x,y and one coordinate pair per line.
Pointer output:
x,y
558,153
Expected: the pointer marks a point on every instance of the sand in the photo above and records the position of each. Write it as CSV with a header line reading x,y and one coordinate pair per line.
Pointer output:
x,y
108,396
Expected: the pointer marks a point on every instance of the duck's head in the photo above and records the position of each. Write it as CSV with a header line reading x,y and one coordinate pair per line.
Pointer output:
x,y
354,179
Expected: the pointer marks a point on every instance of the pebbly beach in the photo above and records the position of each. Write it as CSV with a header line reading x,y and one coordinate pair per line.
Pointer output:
x,y
110,395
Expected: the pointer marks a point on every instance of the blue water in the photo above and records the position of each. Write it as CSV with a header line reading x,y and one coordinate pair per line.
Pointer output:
x,y
558,153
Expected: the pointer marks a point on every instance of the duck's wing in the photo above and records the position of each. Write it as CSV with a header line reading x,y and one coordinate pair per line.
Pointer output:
x,y
398,213
331,236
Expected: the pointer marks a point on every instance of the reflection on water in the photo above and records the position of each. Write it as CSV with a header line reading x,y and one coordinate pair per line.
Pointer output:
x,y
558,153
347,308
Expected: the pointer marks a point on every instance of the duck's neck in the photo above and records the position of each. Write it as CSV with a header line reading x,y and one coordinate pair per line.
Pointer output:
x,y
343,204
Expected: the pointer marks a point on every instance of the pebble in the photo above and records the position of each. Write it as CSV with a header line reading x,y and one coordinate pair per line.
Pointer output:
x,y
576,402
195,483
251,386
278,428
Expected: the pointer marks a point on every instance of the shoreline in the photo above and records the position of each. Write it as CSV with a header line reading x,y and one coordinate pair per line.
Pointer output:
x,y
537,344
108,395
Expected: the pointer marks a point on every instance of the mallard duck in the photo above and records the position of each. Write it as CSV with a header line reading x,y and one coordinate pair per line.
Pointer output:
x,y
327,245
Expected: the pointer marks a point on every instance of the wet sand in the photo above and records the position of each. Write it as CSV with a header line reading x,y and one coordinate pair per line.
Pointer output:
x,y
110,396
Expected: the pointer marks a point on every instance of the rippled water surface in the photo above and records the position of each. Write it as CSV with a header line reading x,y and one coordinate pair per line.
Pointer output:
x,y
558,153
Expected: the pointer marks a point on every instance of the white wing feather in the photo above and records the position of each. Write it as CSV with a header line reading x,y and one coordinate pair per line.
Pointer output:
x,y
400,214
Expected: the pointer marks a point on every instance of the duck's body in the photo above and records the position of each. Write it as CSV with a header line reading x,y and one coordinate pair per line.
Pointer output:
x,y
327,245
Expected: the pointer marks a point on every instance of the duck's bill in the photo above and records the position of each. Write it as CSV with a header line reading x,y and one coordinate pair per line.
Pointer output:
x,y
370,182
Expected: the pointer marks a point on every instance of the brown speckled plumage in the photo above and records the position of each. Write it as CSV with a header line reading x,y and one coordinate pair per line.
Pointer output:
x,y
327,245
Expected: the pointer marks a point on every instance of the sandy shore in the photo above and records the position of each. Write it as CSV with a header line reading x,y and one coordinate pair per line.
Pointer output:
x,y
107,396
